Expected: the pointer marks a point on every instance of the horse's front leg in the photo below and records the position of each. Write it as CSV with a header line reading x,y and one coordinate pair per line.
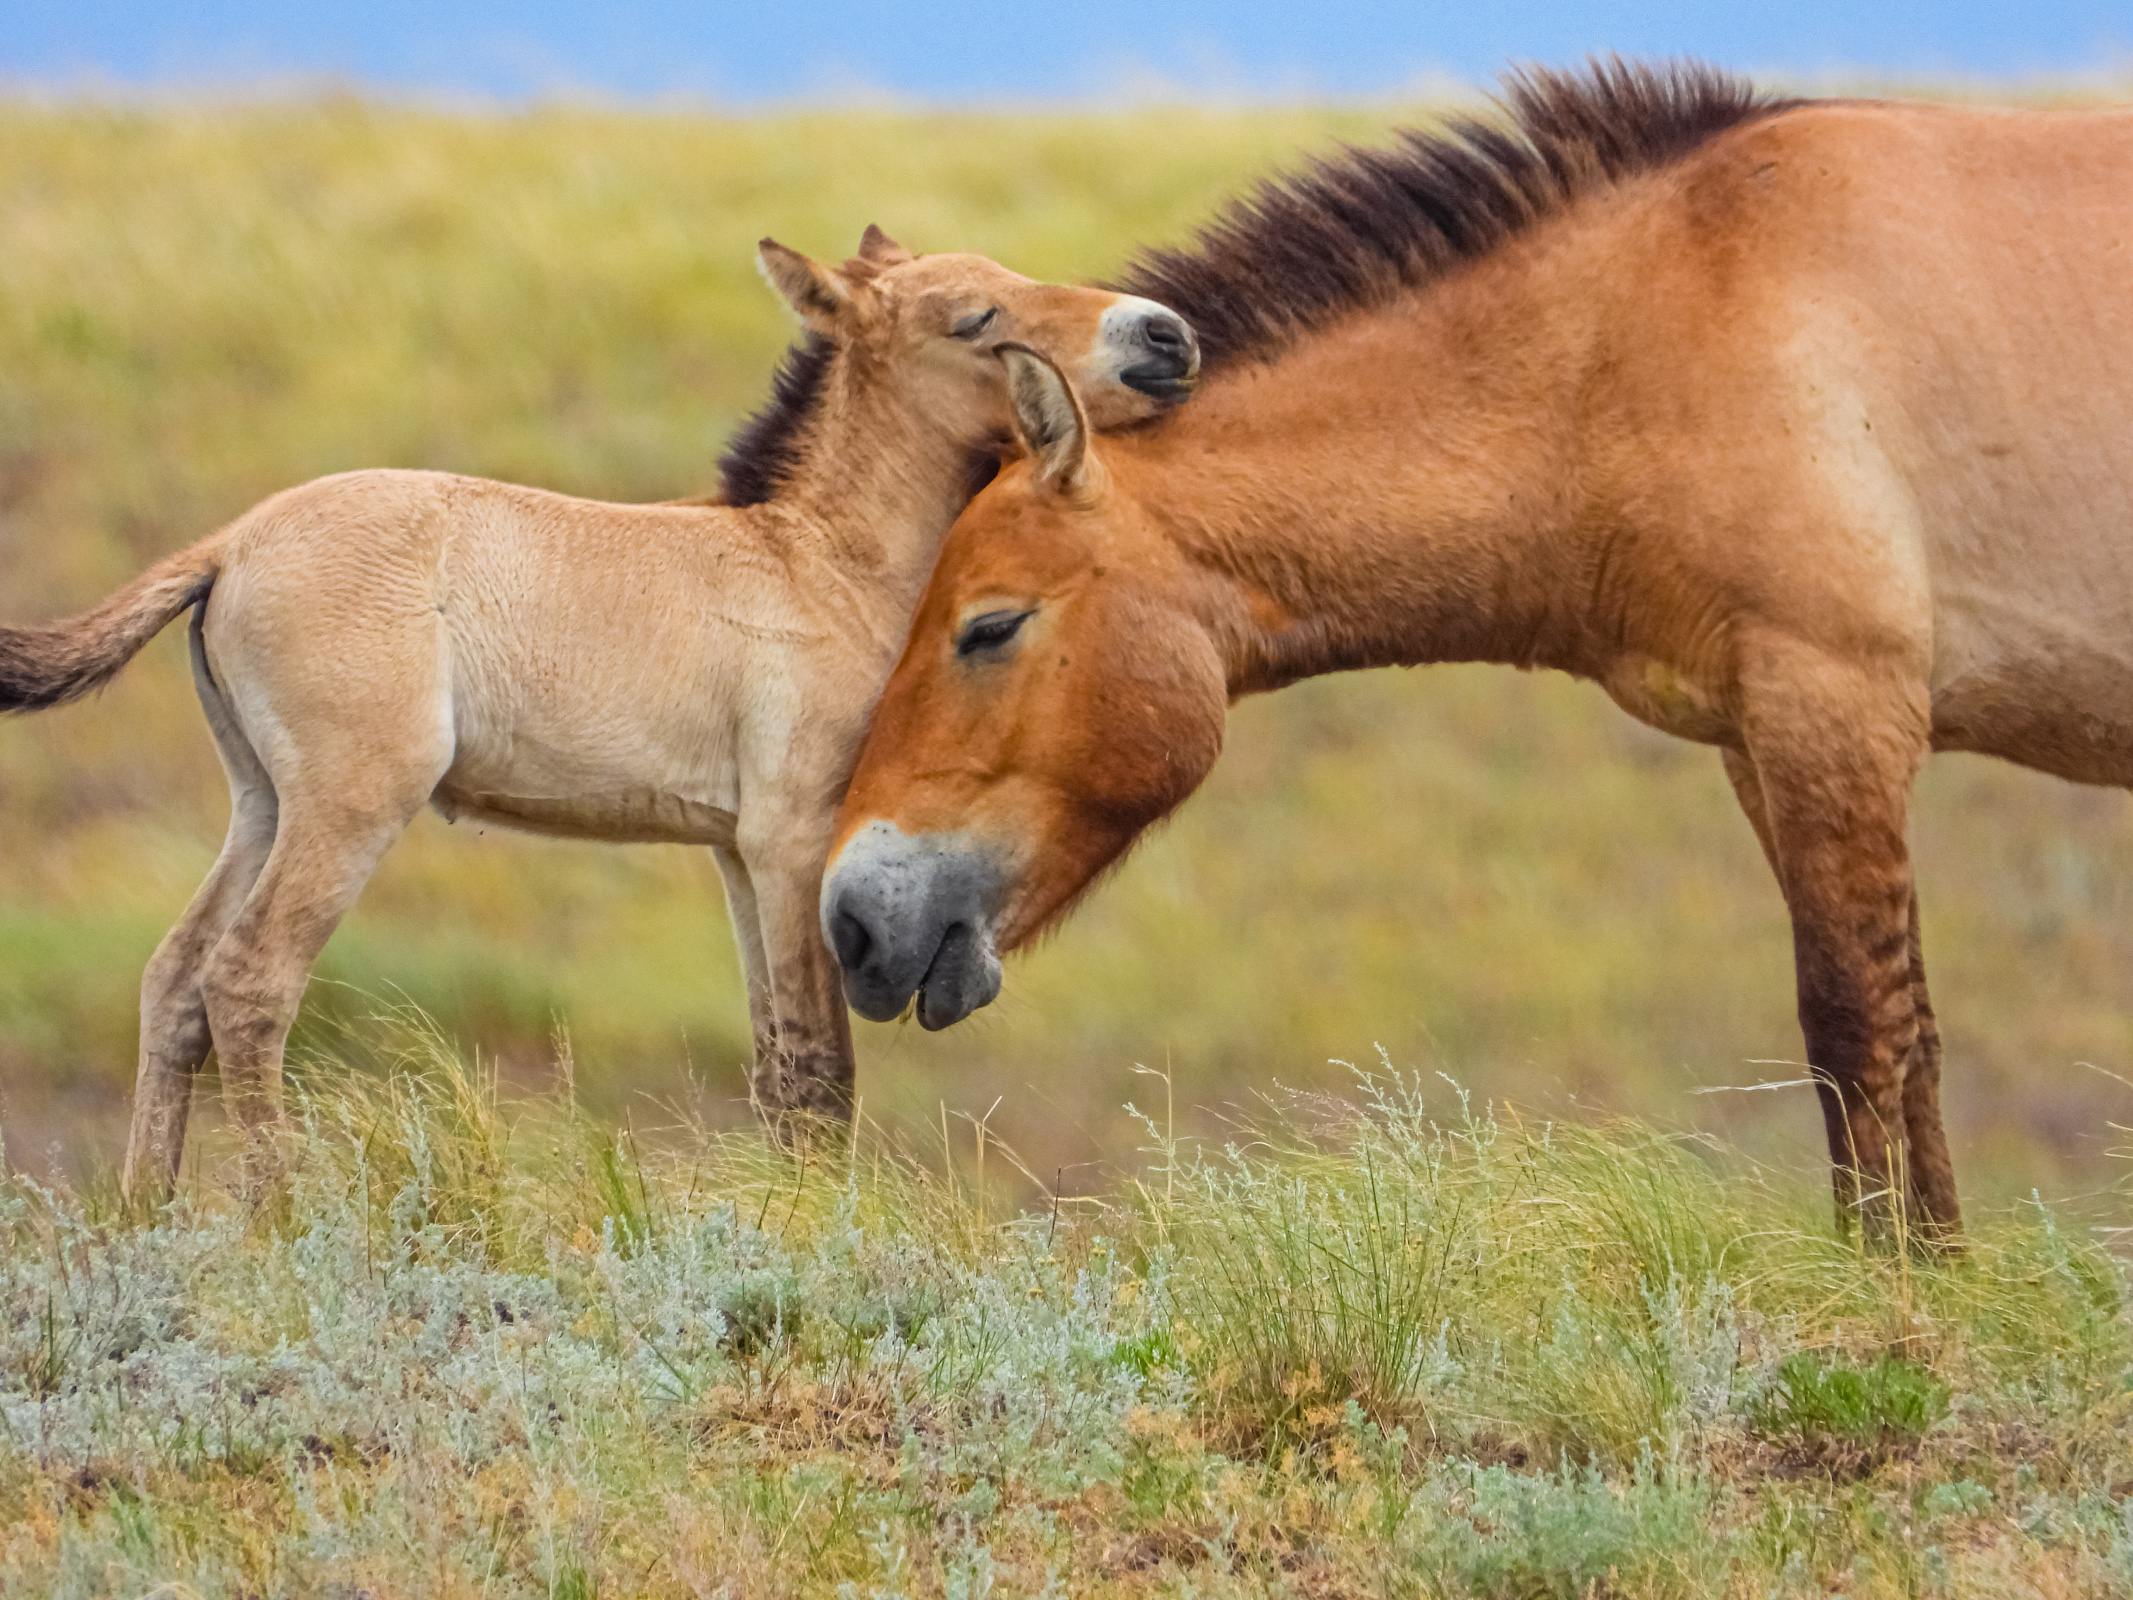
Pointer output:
x,y
803,1062
1832,747
1925,1143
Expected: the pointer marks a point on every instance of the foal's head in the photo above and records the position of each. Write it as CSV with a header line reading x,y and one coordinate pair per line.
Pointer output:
x,y
1060,692
932,323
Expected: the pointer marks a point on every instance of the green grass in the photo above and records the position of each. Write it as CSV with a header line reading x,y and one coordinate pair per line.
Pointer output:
x,y
1488,873
1812,1400
1387,1345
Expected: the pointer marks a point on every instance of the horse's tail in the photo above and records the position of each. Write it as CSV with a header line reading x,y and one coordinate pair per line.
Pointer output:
x,y
49,666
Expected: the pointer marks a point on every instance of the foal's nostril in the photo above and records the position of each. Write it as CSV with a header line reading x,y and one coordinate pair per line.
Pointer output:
x,y
850,939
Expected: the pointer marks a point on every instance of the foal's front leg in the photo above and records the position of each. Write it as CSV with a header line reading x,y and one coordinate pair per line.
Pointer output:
x,y
747,919
805,1067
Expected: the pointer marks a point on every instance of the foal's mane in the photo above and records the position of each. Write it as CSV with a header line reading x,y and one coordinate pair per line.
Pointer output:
x,y
1356,229
768,447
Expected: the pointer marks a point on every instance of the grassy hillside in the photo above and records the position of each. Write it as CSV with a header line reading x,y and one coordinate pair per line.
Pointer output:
x,y
1390,1349
1491,875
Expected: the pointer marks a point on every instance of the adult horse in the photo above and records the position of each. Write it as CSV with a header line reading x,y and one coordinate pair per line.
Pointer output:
x,y
695,673
1803,428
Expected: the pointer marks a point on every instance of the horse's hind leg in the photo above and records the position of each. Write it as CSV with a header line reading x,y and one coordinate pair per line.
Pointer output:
x,y
174,1031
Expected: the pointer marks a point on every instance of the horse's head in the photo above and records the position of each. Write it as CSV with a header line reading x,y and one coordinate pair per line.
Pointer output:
x,y
933,322
1060,692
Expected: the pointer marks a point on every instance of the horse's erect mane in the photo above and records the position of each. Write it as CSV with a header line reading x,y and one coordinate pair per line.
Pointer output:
x,y
767,448
1353,230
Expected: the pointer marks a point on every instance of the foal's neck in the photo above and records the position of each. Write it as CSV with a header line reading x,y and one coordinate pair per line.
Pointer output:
x,y
1397,489
875,489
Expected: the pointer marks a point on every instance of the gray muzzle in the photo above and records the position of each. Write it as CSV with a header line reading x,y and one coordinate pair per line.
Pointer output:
x,y
911,916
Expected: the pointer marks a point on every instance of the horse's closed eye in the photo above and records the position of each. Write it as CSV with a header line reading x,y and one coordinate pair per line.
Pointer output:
x,y
989,632
976,323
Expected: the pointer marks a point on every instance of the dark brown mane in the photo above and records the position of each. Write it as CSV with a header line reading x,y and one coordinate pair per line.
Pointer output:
x,y
767,447
1354,230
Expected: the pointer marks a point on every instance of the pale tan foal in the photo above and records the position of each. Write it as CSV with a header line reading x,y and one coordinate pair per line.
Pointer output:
x,y
693,673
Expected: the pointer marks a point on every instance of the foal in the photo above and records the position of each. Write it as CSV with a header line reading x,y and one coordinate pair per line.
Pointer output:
x,y
1804,429
690,673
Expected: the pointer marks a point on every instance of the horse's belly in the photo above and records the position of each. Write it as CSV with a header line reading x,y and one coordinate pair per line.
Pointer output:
x,y
2045,680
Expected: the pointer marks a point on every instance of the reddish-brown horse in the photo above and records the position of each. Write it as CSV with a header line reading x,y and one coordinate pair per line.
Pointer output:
x,y
1805,429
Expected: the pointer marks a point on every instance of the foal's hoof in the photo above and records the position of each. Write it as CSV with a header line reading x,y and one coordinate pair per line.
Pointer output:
x,y
265,1163
804,1106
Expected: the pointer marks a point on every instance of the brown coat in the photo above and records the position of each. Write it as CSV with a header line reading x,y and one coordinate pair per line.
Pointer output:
x,y
1805,429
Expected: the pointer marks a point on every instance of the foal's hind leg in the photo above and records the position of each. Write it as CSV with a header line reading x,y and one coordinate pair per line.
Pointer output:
x,y
325,848
174,1031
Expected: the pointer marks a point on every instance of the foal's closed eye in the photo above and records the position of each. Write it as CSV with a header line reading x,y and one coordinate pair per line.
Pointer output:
x,y
976,323
990,631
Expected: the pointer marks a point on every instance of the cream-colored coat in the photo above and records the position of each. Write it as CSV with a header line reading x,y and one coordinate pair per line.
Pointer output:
x,y
695,673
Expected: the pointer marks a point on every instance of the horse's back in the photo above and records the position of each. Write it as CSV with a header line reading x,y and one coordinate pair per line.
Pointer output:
x,y
2008,400
1912,331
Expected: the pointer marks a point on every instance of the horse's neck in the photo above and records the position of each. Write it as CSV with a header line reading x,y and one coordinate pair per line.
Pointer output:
x,y
1393,492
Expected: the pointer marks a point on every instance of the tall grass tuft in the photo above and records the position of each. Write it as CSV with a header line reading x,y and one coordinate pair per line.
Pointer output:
x,y
1537,1292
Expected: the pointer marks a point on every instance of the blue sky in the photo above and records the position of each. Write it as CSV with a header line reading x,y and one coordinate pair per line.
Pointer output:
x,y
827,50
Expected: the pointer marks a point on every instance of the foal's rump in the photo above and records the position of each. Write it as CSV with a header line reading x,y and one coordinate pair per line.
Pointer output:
x,y
325,634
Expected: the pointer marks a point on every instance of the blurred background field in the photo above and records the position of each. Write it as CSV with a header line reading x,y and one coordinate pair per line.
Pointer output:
x,y
1492,875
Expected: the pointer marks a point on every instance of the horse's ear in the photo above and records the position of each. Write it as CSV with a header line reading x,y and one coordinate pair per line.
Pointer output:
x,y
1048,416
816,292
883,251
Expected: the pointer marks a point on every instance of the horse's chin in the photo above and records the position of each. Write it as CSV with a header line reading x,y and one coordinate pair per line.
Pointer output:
x,y
873,1002
964,976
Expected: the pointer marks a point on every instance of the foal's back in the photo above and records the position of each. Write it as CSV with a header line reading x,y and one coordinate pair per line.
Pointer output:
x,y
560,664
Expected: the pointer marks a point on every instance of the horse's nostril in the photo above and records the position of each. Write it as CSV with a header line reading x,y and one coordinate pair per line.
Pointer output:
x,y
850,939
1167,333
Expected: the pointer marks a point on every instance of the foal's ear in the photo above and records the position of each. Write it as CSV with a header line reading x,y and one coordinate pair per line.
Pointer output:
x,y
1048,416
879,249
816,292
